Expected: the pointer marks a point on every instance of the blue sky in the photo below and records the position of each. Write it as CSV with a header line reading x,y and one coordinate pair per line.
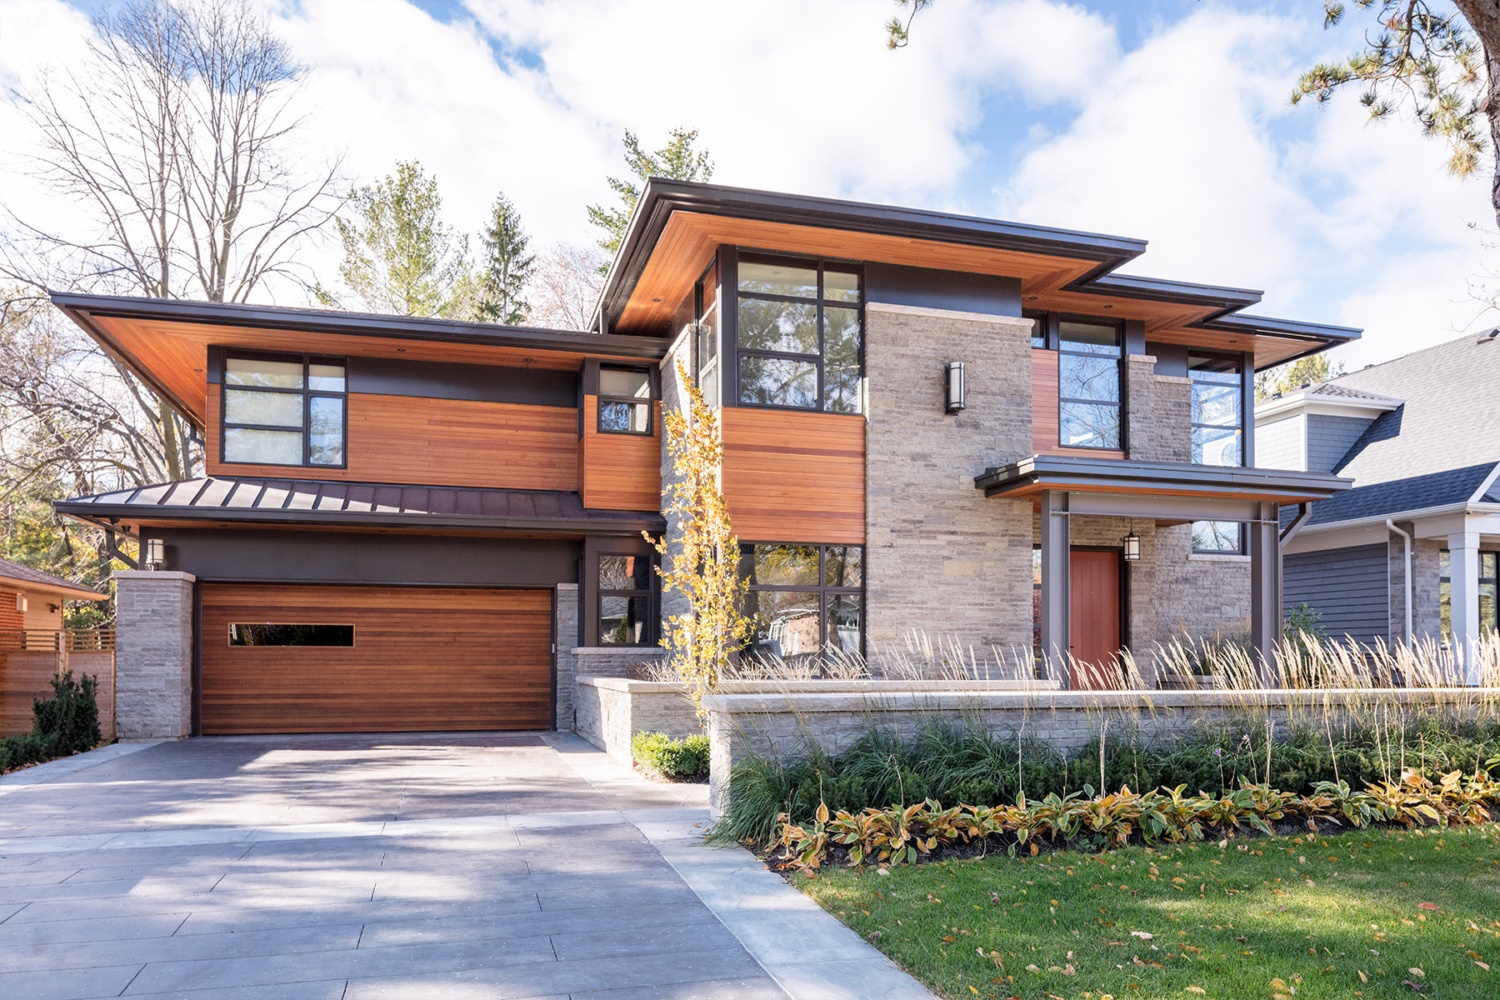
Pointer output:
x,y
1160,119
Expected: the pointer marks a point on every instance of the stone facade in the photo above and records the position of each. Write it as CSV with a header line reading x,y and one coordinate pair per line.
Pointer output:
x,y
565,613
1159,409
153,655
612,709
1426,564
940,556
1199,595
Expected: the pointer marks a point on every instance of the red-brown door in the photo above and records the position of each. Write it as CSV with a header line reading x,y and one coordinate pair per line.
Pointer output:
x,y
1094,619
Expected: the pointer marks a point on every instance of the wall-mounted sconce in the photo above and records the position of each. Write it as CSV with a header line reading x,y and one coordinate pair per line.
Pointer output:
x,y
953,386
1132,545
21,604
156,554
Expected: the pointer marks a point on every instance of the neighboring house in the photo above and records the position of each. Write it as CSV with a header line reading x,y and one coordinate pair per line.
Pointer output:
x,y
1418,437
35,645
930,422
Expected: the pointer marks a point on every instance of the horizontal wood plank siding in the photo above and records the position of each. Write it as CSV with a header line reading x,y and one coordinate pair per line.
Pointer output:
x,y
793,476
424,658
26,676
437,442
1044,407
619,471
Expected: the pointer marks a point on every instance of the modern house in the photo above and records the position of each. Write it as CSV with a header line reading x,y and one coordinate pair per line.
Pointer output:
x,y
974,428
1410,552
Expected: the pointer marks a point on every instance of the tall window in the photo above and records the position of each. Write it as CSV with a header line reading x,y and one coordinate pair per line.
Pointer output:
x,y
284,411
1088,385
624,600
805,599
799,335
708,335
1489,593
624,401
1218,421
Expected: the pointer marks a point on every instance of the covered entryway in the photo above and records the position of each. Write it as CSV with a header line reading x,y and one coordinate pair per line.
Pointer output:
x,y
279,658
1095,586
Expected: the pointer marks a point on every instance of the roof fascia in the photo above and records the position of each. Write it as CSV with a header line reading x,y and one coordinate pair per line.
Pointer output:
x,y
1307,401
130,361
353,324
662,197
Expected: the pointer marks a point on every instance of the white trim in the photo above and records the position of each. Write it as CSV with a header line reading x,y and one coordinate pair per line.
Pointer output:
x,y
1466,507
1484,487
902,310
1310,401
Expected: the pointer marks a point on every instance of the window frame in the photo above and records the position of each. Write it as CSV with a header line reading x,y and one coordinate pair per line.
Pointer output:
x,y
306,392
1243,425
820,303
821,588
1054,337
649,400
590,617
1242,546
1445,591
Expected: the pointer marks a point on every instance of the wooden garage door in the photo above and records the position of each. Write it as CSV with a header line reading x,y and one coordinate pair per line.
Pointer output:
x,y
423,658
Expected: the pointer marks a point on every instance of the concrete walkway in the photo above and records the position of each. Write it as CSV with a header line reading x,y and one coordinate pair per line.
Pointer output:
x,y
461,867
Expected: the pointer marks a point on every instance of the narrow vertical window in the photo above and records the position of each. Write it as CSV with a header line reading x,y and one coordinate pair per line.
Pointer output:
x,y
1218,420
708,336
624,600
283,411
1088,385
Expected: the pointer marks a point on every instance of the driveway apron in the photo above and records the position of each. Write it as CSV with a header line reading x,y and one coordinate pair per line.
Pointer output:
x,y
355,867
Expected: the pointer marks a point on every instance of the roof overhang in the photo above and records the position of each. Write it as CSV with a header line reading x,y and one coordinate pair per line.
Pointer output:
x,y
1309,400
677,226
228,501
165,342
1040,473
67,593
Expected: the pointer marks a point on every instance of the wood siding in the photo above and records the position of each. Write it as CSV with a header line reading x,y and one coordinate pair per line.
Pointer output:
x,y
619,471
25,676
792,476
1044,406
436,442
424,658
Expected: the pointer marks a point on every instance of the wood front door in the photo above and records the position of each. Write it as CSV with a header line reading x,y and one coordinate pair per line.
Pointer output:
x,y
1094,619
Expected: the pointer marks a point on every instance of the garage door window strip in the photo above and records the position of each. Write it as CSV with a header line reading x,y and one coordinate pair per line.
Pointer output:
x,y
284,410
290,634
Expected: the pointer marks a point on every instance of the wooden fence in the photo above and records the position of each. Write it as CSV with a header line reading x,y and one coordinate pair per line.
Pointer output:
x,y
29,660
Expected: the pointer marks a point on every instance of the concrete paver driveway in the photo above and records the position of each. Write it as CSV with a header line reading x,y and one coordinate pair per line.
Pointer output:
x,y
361,867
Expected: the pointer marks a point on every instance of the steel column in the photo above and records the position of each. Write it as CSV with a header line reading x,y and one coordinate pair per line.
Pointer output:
x,y
1265,589
1056,591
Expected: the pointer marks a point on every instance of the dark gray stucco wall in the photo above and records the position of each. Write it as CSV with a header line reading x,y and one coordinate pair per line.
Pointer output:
x,y
351,558
1348,587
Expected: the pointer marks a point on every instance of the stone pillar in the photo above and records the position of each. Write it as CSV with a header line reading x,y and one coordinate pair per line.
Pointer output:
x,y
1056,585
153,654
564,638
1463,593
1265,588
941,558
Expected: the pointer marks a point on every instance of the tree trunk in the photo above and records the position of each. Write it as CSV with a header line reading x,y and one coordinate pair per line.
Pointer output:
x,y
1484,17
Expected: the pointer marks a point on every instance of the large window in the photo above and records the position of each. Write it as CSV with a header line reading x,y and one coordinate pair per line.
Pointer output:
x,y
708,335
1489,593
625,613
799,334
1088,385
284,411
1218,421
805,599
624,401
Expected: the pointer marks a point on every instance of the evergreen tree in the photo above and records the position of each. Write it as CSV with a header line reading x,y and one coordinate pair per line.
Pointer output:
x,y
399,256
1296,374
677,161
506,267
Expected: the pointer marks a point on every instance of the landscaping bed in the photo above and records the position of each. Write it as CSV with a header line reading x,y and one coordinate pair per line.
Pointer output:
x,y
1368,913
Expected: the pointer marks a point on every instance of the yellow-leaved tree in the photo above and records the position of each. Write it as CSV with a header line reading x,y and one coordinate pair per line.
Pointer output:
x,y
701,561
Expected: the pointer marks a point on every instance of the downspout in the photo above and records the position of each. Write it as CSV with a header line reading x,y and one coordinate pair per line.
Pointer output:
x,y
1406,544
1304,512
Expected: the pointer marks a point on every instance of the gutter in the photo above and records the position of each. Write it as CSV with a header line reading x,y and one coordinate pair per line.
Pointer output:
x,y
1465,507
1406,540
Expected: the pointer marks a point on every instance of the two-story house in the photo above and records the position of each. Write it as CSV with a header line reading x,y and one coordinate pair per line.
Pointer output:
x,y
1410,553
969,427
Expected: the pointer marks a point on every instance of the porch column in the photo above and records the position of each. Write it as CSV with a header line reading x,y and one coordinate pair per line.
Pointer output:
x,y
154,654
1056,592
1265,588
1463,594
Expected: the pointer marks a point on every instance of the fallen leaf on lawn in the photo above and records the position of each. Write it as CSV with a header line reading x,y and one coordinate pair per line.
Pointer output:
x,y
1143,935
1032,968
1483,965
1417,972
1428,906
1362,977
1198,990
1408,982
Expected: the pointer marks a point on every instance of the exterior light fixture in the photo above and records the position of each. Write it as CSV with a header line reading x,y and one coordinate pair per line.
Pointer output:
x,y
1132,545
953,386
22,605
156,554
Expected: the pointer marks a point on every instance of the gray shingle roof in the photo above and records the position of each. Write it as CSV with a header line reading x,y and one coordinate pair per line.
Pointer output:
x,y
1438,447
25,574
312,502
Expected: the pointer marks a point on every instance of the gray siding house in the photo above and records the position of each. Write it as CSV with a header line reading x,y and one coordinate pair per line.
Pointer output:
x,y
1410,554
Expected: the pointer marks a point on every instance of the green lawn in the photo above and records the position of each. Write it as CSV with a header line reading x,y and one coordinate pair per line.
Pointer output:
x,y
1365,914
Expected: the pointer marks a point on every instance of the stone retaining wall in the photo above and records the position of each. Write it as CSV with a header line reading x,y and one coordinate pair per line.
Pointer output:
x,y
782,724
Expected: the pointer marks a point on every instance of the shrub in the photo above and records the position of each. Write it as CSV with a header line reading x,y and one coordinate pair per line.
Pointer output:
x,y
67,723
684,758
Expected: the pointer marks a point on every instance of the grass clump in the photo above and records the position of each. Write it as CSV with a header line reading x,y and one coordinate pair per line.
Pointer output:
x,y
659,753
1308,917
